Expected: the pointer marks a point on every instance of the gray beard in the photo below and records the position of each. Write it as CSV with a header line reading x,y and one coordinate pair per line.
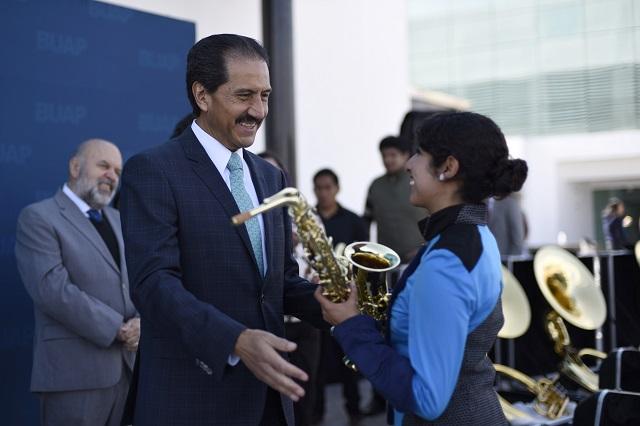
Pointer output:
x,y
91,195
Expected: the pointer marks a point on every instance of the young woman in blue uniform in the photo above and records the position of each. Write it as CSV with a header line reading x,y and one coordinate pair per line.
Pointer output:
x,y
445,312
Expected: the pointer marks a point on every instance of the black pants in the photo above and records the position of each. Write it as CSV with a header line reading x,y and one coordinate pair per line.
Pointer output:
x,y
273,414
332,370
307,358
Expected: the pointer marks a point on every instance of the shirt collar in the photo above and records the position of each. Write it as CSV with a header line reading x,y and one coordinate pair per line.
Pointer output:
x,y
470,214
338,212
218,153
79,202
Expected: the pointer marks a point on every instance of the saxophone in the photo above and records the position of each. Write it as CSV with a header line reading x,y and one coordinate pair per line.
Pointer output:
x,y
335,271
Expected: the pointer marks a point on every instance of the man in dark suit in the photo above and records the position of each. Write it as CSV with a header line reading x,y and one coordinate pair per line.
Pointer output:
x,y
70,256
212,296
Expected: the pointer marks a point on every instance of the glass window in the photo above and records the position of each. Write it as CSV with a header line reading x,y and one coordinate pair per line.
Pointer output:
x,y
560,19
561,54
516,25
608,14
609,47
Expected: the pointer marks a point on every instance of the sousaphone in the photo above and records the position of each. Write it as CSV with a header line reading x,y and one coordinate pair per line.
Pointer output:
x,y
548,401
571,291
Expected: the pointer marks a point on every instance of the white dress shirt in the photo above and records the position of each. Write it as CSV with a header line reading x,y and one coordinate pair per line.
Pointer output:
x,y
220,155
79,202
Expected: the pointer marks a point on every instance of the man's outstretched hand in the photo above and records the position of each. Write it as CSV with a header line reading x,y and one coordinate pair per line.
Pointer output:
x,y
259,349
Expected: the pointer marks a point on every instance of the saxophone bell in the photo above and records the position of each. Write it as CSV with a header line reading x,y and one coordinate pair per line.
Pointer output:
x,y
371,264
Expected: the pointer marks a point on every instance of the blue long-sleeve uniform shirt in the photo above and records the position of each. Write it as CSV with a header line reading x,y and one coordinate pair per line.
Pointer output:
x,y
451,289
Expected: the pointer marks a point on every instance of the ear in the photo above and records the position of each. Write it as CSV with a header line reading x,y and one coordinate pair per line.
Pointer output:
x,y
450,167
201,95
74,168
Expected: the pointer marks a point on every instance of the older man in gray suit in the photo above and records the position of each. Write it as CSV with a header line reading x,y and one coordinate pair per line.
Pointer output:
x,y
71,259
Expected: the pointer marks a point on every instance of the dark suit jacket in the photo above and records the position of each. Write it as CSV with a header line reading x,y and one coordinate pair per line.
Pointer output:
x,y
196,284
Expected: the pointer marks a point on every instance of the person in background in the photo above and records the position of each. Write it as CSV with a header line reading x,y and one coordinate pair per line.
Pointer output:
x,y
612,216
344,227
303,334
445,311
388,201
182,125
507,224
70,256
388,206
275,161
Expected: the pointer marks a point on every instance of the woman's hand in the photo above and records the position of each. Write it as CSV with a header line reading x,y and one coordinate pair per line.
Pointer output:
x,y
336,313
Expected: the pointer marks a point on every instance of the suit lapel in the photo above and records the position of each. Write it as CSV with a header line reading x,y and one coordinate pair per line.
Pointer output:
x,y
72,213
206,170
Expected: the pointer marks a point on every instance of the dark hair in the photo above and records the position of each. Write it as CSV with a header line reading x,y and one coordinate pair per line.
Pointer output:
x,y
268,154
326,172
396,142
478,144
206,61
411,122
612,206
182,125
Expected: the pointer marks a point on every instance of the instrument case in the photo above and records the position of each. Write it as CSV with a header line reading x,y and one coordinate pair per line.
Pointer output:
x,y
609,408
621,370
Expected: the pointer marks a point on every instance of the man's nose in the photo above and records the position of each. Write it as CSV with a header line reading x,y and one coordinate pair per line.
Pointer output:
x,y
111,174
258,109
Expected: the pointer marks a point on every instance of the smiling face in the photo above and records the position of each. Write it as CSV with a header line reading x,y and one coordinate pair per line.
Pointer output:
x,y
234,112
95,173
427,190
423,180
394,160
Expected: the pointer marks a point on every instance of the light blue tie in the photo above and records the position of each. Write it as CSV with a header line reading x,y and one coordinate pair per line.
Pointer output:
x,y
244,203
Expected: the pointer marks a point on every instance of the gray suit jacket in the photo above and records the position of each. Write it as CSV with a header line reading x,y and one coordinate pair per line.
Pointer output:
x,y
80,296
507,225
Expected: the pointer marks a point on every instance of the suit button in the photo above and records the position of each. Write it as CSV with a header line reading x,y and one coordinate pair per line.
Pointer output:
x,y
262,298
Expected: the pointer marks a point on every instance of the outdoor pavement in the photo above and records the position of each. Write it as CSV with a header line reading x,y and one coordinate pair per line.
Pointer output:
x,y
336,414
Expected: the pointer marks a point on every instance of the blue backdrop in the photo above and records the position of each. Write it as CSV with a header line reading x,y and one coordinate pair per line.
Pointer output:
x,y
71,70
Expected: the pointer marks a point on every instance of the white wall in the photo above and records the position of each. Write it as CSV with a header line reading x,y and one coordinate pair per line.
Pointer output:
x,y
211,16
351,78
564,170
352,89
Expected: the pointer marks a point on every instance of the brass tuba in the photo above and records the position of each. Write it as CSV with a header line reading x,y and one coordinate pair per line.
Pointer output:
x,y
549,400
335,271
571,291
